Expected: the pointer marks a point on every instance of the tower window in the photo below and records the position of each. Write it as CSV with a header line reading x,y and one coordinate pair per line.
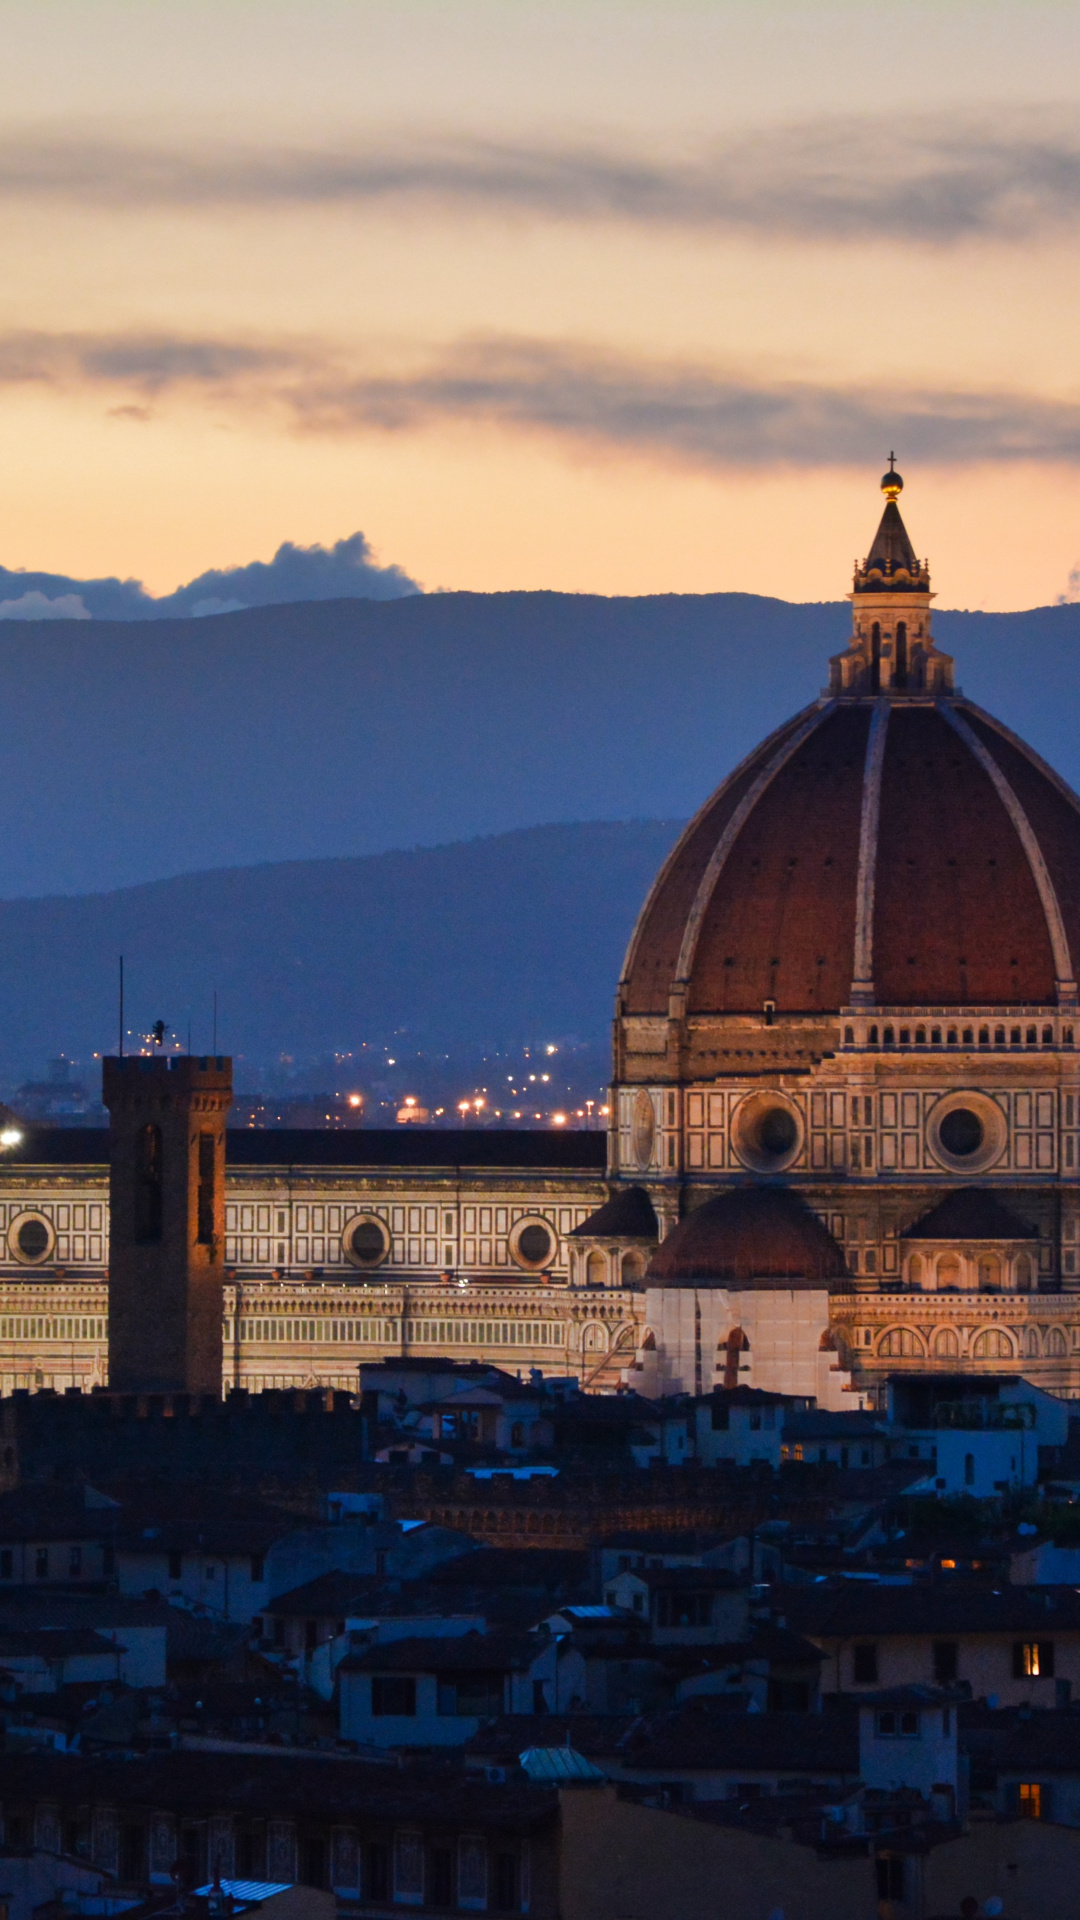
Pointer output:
x,y
935,1037
1014,1037
1032,1037
920,1036
148,1188
207,1184
999,1036
900,676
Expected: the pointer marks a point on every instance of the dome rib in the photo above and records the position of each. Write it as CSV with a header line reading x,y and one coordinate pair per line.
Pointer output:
x,y
1040,873
649,966
718,858
862,985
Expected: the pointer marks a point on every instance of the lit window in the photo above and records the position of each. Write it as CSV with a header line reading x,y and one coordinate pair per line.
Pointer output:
x,y
1029,1796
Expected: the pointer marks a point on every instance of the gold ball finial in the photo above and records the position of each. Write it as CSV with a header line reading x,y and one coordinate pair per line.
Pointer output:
x,y
891,482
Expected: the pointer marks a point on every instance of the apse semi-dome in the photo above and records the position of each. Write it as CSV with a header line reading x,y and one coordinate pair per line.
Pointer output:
x,y
761,1237
891,845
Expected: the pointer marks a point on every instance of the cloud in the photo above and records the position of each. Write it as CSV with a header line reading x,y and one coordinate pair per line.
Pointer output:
x,y
38,606
345,571
703,415
910,179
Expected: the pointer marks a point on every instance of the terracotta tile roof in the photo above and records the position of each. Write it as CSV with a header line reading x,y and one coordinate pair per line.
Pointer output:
x,y
761,1235
628,1215
971,1213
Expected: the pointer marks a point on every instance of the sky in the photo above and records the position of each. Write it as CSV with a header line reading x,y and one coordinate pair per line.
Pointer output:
x,y
615,298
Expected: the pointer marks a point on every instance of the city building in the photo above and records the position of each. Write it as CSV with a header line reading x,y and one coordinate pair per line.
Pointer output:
x,y
845,1133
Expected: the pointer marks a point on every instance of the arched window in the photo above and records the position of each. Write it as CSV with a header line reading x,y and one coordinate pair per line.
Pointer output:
x,y
1032,1037
1055,1344
989,1273
935,1037
948,1272
849,1036
1031,1343
905,1036
900,1343
992,1343
952,1037
875,658
1048,1036
969,1036
946,1344
1014,1037
1022,1273
915,1270
999,1036
873,1036
596,1269
920,1036
148,1185
890,1037
633,1268
984,1036
900,676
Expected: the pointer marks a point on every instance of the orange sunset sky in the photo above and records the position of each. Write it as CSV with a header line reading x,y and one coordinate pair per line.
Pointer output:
x,y
619,298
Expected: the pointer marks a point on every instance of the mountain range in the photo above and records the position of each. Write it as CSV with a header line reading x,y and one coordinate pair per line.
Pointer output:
x,y
131,750
493,944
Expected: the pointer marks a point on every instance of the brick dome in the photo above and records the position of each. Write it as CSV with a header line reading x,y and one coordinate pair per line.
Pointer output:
x,y
904,852
753,1236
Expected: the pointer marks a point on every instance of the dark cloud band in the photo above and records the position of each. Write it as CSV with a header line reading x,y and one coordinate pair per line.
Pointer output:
x,y
848,179
691,413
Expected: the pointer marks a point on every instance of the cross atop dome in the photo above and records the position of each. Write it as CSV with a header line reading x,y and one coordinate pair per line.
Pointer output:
x,y
891,650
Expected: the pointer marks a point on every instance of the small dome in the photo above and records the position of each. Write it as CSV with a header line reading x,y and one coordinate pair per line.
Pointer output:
x,y
892,482
754,1236
628,1215
971,1213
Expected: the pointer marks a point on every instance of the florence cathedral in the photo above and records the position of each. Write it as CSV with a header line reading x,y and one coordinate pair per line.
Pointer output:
x,y
844,1112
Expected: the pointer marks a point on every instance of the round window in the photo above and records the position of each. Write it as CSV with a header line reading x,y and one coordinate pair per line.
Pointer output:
x,y
32,1238
967,1131
767,1133
534,1245
961,1132
367,1242
644,1131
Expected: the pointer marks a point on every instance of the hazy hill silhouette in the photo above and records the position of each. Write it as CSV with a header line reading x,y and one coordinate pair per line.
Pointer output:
x,y
134,749
487,944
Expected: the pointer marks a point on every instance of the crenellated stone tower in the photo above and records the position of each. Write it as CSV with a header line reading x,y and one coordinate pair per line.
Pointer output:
x,y
167,1221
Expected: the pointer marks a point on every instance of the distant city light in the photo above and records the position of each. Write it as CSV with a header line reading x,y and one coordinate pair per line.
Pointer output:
x,y
11,1137
551,1049
356,1099
558,1119
391,1063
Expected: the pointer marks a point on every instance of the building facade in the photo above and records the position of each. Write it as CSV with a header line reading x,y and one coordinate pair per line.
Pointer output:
x,y
845,1107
